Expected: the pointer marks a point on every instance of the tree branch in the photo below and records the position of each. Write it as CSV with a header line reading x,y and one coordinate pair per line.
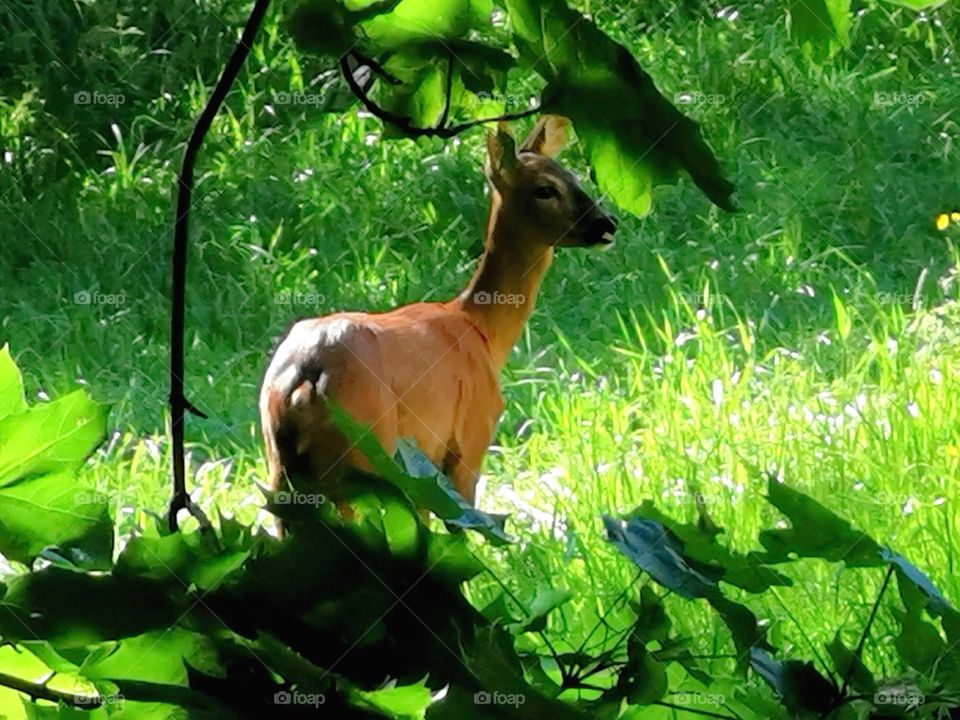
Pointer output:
x,y
179,404
39,691
448,92
404,123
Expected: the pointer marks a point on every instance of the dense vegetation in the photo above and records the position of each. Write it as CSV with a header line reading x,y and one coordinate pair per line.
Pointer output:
x,y
809,338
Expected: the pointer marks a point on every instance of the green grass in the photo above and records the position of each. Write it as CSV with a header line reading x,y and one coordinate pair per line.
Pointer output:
x,y
813,334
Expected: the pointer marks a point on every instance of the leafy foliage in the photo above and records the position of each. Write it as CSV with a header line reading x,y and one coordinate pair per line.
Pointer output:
x,y
804,690
433,64
366,617
41,507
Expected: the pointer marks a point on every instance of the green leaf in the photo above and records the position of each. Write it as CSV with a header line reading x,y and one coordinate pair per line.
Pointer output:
x,y
52,511
398,701
920,643
74,609
851,667
422,95
801,686
421,481
50,437
746,631
653,623
546,600
421,491
415,21
12,401
814,532
644,680
919,4
844,324
648,545
482,69
492,660
42,509
934,603
820,27
158,656
184,558
703,549
634,136
331,27
450,558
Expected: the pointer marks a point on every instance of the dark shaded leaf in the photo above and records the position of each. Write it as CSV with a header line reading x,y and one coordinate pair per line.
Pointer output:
x,y
799,684
648,545
73,609
701,546
634,136
850,667
815,532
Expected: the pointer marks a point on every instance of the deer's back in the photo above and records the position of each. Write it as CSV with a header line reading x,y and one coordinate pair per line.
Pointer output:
x,y
422,371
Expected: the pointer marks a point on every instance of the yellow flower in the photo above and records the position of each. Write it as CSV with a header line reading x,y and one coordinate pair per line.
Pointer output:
x,y
955,216
942,221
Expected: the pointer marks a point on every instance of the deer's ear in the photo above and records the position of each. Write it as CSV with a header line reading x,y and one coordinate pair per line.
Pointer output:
x,y
548,137
501,155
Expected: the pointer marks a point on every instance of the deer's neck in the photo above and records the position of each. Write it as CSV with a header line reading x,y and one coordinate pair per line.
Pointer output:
x,y
503,290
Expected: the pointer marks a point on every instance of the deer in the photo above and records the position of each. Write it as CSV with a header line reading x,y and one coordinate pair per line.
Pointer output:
x,y
429,371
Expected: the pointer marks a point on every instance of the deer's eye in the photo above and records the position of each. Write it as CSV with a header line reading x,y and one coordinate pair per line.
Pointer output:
x,y
546,192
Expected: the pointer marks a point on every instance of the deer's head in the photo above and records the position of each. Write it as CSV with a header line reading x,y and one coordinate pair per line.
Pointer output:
x,y
542,199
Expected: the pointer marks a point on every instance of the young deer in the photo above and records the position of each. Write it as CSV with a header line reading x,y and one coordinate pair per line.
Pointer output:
x,y
429,371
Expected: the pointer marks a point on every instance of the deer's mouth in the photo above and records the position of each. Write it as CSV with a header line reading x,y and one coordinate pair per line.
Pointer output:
x,y
601,230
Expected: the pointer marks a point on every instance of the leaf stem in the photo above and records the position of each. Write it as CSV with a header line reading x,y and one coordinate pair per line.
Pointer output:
x,y
866,630
386,116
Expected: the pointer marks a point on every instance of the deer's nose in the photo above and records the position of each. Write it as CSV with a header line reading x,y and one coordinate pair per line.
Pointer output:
x,y
602,229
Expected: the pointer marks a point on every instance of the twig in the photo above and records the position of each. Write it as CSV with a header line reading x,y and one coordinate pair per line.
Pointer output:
x,y
615,603
448,91
42,692
866,630
377,68
543,635
403,122
179,404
